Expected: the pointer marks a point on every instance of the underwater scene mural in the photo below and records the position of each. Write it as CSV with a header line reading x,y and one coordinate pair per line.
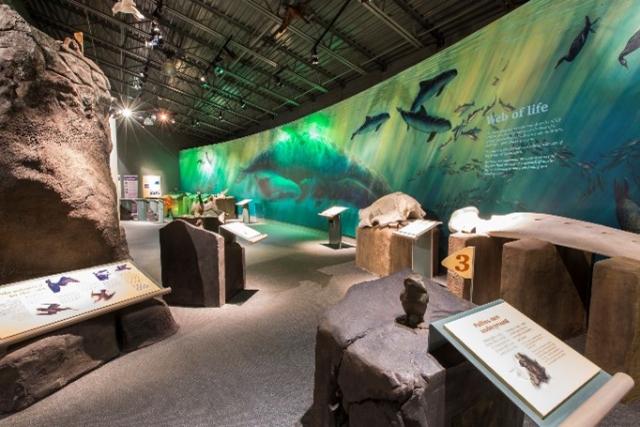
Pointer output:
x,y
538,112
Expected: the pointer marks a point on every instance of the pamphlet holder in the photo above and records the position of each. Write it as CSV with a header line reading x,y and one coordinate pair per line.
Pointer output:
x,y
423,246
335,225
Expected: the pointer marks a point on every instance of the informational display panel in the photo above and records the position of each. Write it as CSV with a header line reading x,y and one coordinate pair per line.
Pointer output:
x,y
130,186
333,211
542,370
244,232
417,228
151,186
36,306
244,202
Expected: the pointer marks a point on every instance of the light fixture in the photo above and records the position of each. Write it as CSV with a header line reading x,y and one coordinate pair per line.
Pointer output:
x,y
218,70
126,112
243,104
163,117
220,115
315,59
203,78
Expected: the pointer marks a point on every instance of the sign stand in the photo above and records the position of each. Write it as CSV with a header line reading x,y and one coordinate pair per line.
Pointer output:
x,y
421,232
335,226
244,206
232,230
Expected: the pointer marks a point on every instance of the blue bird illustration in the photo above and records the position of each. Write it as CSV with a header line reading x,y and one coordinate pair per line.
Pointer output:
x,y
64,281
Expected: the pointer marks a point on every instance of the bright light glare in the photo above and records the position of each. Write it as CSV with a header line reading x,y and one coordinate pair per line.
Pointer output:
x,y
126,112
163,117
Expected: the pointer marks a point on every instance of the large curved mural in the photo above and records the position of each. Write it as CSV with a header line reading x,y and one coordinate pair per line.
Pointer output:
x,y
539,112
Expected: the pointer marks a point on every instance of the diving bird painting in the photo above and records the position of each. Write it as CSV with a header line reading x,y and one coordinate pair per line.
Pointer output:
x,y
371,123
423,122
102,295
101,275
632,45
64,281
432,87
127,7
579,41
123,267
50,309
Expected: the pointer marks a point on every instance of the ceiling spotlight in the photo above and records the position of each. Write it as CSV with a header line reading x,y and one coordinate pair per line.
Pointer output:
x,y
243,104
126,112
195,123
172,121
218,70
163,117
203,78
315,60
220,115
155,27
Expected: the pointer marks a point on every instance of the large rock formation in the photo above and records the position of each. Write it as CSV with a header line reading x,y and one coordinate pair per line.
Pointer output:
x,y
57,199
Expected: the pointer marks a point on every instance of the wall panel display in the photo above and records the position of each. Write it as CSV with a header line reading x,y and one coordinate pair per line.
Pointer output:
x,y
151,186
130,186
536,112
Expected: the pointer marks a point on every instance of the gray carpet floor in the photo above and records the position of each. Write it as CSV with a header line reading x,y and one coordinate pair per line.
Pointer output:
x,y
246,364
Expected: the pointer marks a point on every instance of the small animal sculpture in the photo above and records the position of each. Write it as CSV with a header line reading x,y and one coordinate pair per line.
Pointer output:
x,y
51,309
537,373
432,87
371,123
425,123
632,45
391,209
627,211
101,275
127,7
123,267
103,295
64,281
414,299
579,41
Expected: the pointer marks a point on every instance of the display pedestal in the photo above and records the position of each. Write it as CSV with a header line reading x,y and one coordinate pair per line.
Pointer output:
x,y
244,207
423,235
335,225
381,251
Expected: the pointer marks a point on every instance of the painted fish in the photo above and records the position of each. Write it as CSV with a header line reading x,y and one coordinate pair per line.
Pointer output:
x,y
371,123
579,41
627,211
462,108
432,87
632,45
506,105
425,123
472,133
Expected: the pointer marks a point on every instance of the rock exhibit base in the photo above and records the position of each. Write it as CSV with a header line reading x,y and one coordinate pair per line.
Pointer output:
x,y
372,371
34,369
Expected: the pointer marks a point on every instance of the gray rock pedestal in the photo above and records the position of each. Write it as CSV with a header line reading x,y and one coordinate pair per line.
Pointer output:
x,y
33,370
57,197
372,371
201,268
547,283
144,324
613,337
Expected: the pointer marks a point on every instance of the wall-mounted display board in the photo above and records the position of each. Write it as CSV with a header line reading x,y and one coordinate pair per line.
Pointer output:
x,y
130,186
542,375
535,112
36,306
151,186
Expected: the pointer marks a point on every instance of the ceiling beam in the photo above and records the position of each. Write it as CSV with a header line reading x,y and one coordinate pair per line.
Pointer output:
x,y
391,23
269,14
407,8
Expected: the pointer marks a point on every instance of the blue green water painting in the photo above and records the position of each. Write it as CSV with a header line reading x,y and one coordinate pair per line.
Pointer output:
x,y
538,111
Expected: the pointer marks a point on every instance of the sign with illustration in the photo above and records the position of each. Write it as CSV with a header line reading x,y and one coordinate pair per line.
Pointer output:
x,y
151,186
130,186
541,369
35,306
536,112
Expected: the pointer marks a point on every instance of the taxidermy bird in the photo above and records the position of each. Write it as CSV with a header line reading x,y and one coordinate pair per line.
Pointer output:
x,y
127,7
64,281
414,300
632,45
292,11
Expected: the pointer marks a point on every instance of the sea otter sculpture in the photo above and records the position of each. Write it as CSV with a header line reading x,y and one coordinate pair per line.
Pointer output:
x,y
414,301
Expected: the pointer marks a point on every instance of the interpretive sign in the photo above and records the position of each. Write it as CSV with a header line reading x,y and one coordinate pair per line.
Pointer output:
x,y
244,202
461,262
537,368
333,211
244,232
417,228
151,186
33,307
130,186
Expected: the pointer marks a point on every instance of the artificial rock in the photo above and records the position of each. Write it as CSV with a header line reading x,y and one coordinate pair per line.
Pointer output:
x,y
144,324
57,199
380,251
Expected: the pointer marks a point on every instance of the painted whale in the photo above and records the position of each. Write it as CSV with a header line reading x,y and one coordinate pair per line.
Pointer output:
x,y
371,123
432,87
423,122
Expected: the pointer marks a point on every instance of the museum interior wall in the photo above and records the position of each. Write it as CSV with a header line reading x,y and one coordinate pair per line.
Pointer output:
x,y
531,113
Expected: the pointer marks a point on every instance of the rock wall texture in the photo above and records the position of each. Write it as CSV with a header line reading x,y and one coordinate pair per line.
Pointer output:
x,y
57,199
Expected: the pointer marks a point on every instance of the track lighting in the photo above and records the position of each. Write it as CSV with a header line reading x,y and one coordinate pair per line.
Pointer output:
x,y
243,104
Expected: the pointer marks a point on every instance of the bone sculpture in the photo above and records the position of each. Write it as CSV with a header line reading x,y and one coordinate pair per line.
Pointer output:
x,y
558,230
391,209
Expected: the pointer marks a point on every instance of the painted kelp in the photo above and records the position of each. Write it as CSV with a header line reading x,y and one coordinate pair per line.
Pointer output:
x,y
536,112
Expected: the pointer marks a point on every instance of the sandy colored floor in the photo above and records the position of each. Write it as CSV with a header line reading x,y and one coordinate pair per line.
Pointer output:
x,y
246,364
